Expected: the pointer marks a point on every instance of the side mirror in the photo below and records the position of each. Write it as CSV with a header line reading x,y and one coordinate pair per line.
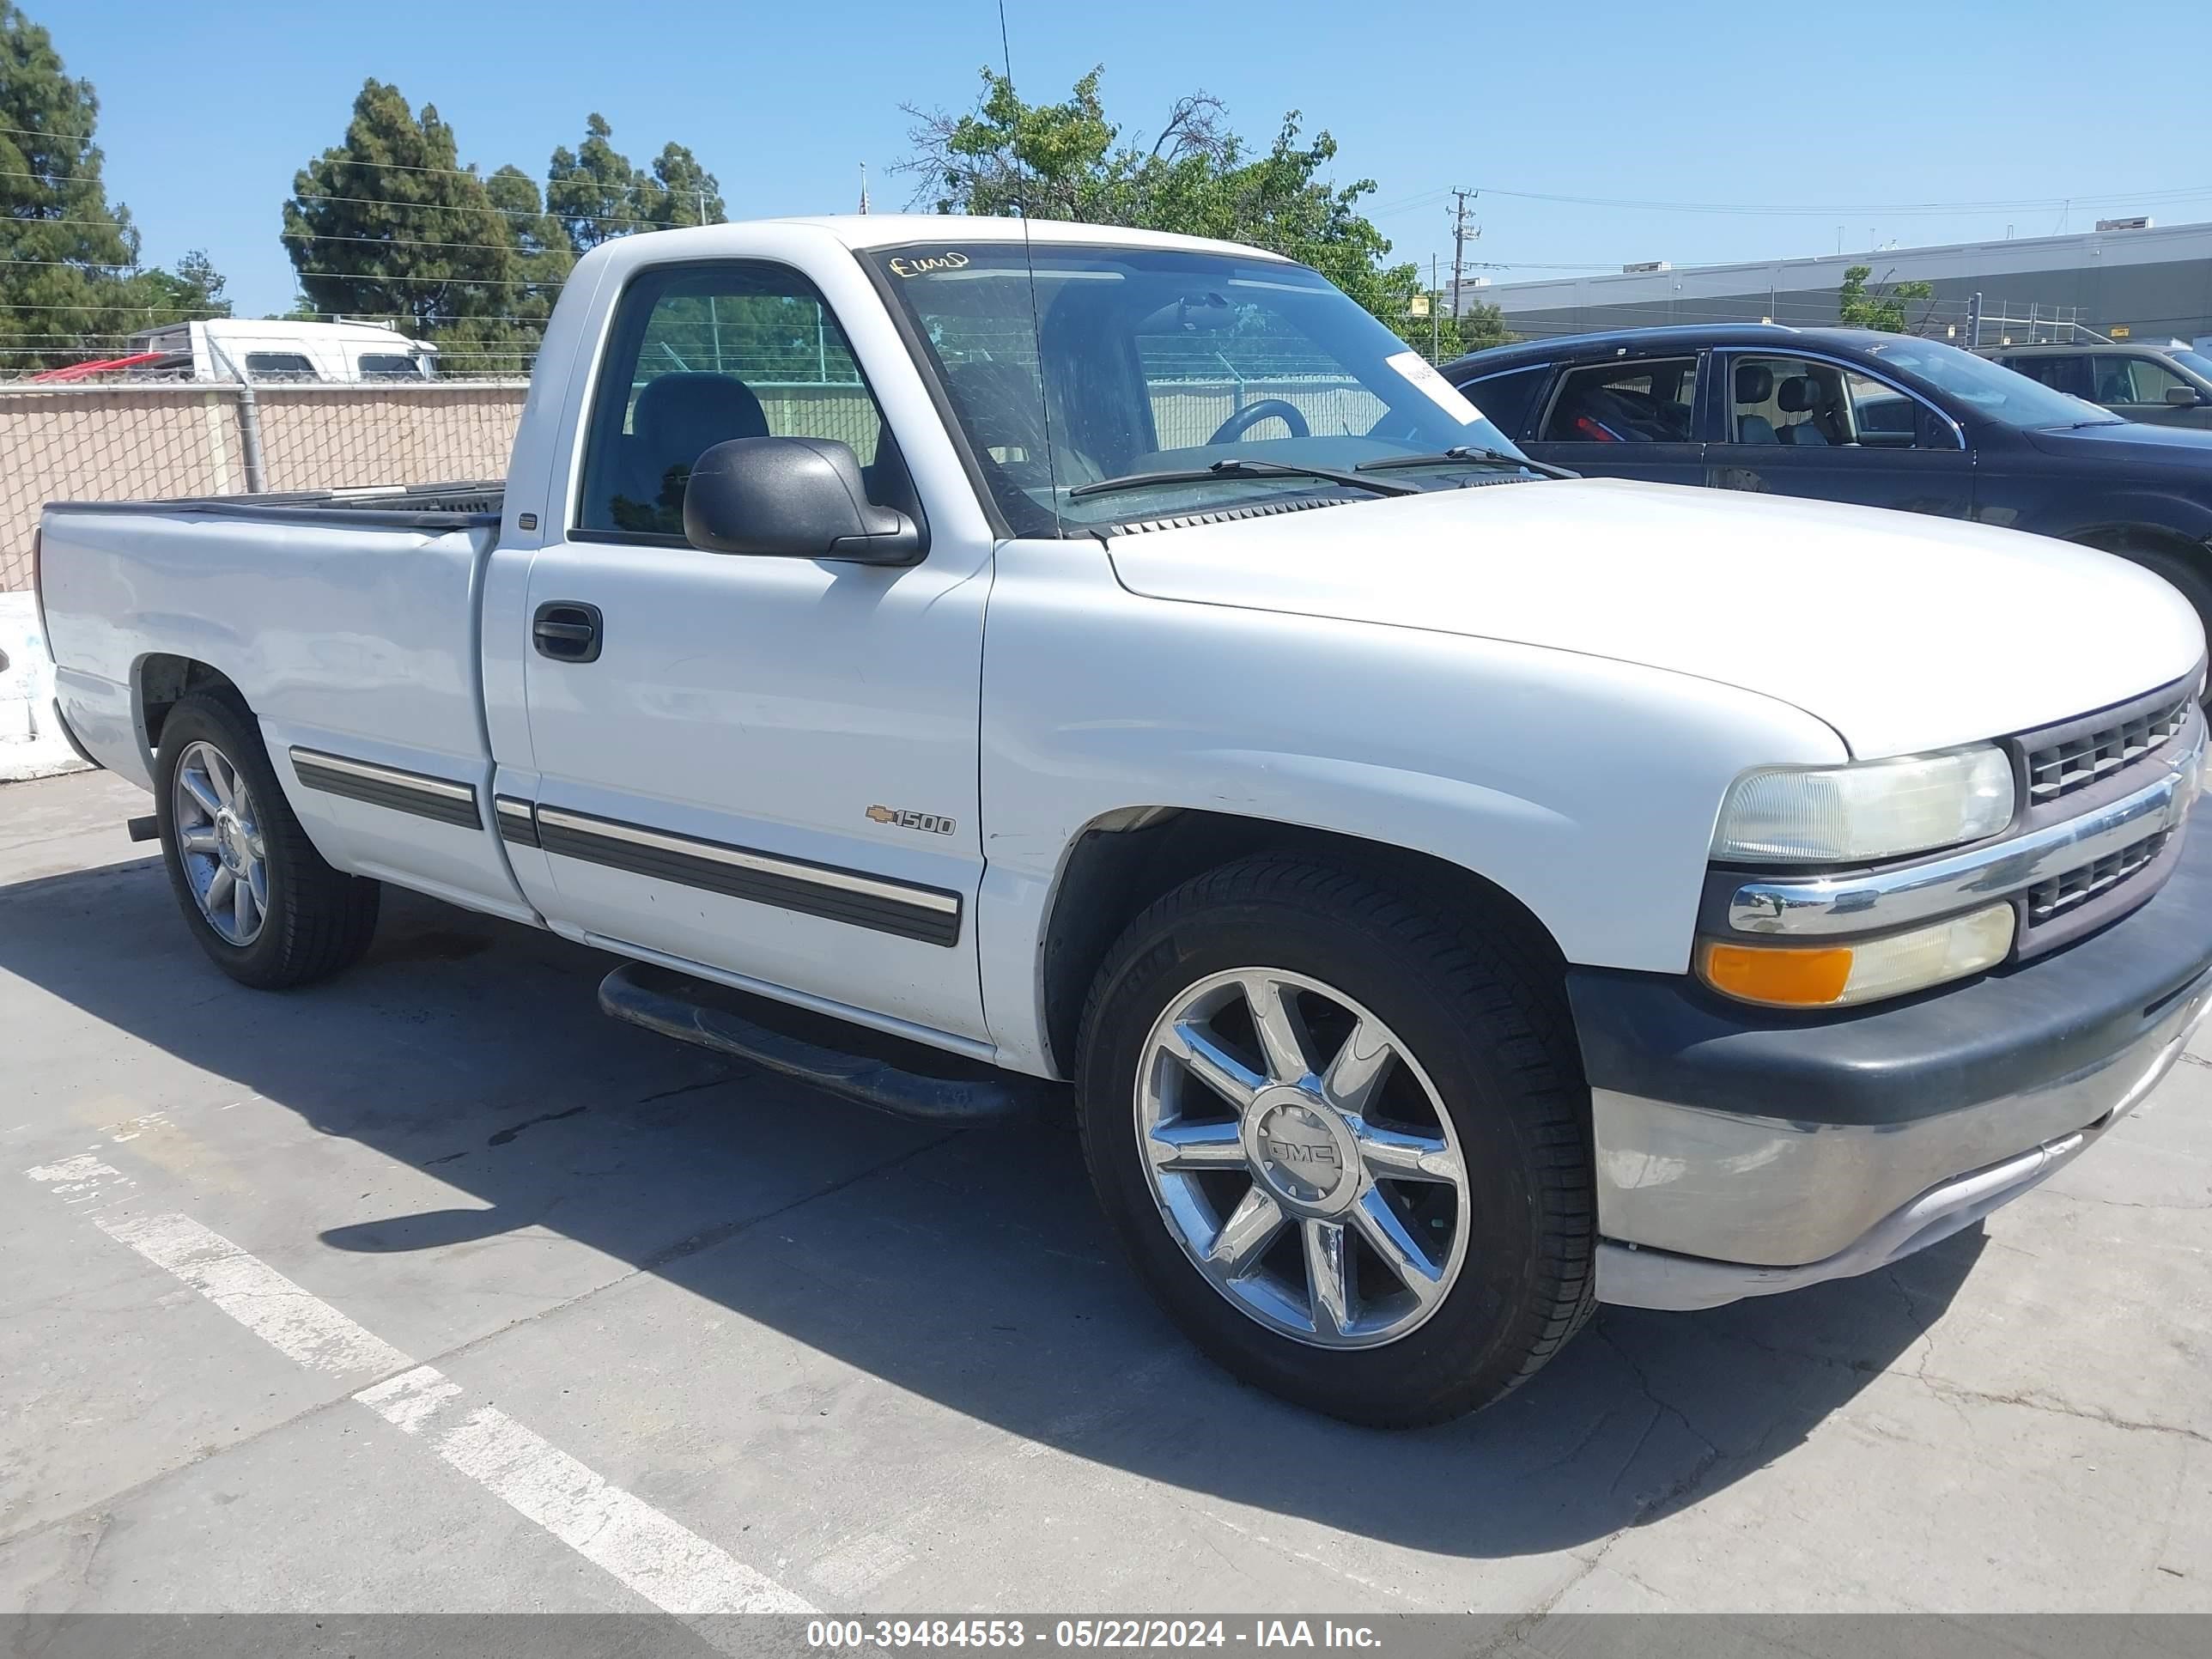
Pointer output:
x,y
793,498
2183,396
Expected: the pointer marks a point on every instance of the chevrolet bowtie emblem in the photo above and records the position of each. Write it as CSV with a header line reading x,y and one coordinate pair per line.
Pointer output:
x,y
928,822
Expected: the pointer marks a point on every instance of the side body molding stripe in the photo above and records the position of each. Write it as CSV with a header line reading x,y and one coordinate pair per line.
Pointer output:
x,y
516,822
440,799
906,909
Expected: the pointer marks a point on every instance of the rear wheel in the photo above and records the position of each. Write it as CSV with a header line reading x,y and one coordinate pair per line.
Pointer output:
x,y
257,895
1343,1140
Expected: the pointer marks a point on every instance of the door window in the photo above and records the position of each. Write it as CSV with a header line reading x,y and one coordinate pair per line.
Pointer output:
x,y
1789,401
1649,401
2133,380
1506,398
700,355
1882,418
2068,374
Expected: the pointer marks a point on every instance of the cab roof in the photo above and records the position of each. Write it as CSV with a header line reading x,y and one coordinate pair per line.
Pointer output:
x,y
866,232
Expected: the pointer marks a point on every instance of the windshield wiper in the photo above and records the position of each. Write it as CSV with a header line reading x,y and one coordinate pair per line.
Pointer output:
x,y
1237,468
1462,453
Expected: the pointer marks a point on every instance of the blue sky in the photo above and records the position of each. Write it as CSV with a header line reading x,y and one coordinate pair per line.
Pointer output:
x,y
207,109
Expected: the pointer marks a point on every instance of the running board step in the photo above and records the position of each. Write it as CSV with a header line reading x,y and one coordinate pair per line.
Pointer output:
x,y
951,1090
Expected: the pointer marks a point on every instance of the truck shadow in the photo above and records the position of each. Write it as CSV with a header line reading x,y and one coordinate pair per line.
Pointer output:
x,y
968,1267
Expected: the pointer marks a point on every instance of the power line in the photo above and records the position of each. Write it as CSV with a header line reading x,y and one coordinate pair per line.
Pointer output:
x,y
1991,205
391,167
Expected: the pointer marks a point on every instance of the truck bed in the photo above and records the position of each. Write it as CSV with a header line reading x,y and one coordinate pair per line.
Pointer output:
x,y
408,507
348,620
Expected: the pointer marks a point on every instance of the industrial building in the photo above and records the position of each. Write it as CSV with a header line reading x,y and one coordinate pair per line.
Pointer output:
x,y
2128,278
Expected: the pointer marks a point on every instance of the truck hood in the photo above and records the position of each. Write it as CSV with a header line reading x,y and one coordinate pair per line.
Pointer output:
x,y
1901,632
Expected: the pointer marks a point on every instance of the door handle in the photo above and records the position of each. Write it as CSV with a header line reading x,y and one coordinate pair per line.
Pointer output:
x,y
568,630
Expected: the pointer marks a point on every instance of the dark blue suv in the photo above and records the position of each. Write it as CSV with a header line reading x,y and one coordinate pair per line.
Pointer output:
x,y
1847,415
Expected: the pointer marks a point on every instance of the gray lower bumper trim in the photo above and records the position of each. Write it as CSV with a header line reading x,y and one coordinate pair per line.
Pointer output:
x,y
1634,1276
1631,1278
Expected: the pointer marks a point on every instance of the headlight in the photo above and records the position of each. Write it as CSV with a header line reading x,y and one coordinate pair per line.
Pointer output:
x,y
1870,810
1837,976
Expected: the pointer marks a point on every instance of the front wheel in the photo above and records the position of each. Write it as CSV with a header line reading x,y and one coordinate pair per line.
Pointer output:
x,y
1344,1141
261,901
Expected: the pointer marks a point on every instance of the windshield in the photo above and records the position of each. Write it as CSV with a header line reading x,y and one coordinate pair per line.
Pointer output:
x,y
2195,361
1990,389
1120,363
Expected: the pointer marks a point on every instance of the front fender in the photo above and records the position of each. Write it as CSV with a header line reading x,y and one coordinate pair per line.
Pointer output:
x,y
1585,788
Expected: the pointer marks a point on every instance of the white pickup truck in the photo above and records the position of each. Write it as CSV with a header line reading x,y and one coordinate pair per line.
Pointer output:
x,y
1457,895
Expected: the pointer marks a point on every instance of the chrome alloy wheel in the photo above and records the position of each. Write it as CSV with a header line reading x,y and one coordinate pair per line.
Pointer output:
x,y
1302,1157
219,843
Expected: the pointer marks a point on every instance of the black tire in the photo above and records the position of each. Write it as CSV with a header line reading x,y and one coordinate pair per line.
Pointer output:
x,y
317,920
1490,1028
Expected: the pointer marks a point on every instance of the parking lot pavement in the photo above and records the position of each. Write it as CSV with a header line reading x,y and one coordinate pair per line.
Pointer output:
x,y
668,1332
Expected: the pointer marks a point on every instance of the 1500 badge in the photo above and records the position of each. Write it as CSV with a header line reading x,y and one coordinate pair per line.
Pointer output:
x,y
928,822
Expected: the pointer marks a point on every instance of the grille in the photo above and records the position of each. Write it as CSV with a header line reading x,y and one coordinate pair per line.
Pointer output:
x,y
2077,887
2059,769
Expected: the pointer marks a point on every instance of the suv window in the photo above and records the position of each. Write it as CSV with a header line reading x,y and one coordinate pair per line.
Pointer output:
x,y
1789,401
2066,374
271,365
2133,380
1646,401
699,355
1507,398
1885,418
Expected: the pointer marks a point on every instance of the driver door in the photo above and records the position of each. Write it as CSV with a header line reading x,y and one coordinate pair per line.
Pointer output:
x,y
764,766
1804,426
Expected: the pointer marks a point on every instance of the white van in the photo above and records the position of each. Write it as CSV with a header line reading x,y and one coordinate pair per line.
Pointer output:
x,y
229,348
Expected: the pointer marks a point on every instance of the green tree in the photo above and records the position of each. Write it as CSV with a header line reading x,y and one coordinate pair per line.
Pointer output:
x,y
1478,327
1069,161
541,242
594,191
389,224
685,193
598,194
71,282
1881,307
193,289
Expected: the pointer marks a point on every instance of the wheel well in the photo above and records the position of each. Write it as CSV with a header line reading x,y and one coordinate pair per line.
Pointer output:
x,y
1120,864
164,681
2126,541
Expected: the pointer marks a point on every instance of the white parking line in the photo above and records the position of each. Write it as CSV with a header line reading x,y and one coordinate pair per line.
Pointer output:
x,y
655,1556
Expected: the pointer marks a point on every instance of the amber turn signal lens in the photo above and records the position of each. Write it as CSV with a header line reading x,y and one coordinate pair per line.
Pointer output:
x,y
1786,978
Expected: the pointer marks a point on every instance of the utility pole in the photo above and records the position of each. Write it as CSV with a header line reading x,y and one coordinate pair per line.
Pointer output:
x,y
1435,314
1459,243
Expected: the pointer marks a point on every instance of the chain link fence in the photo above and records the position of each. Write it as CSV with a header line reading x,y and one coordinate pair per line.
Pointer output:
x,y
155,441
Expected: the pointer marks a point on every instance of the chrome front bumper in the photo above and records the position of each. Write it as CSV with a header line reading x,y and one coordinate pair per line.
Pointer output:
x,y
1707,1189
